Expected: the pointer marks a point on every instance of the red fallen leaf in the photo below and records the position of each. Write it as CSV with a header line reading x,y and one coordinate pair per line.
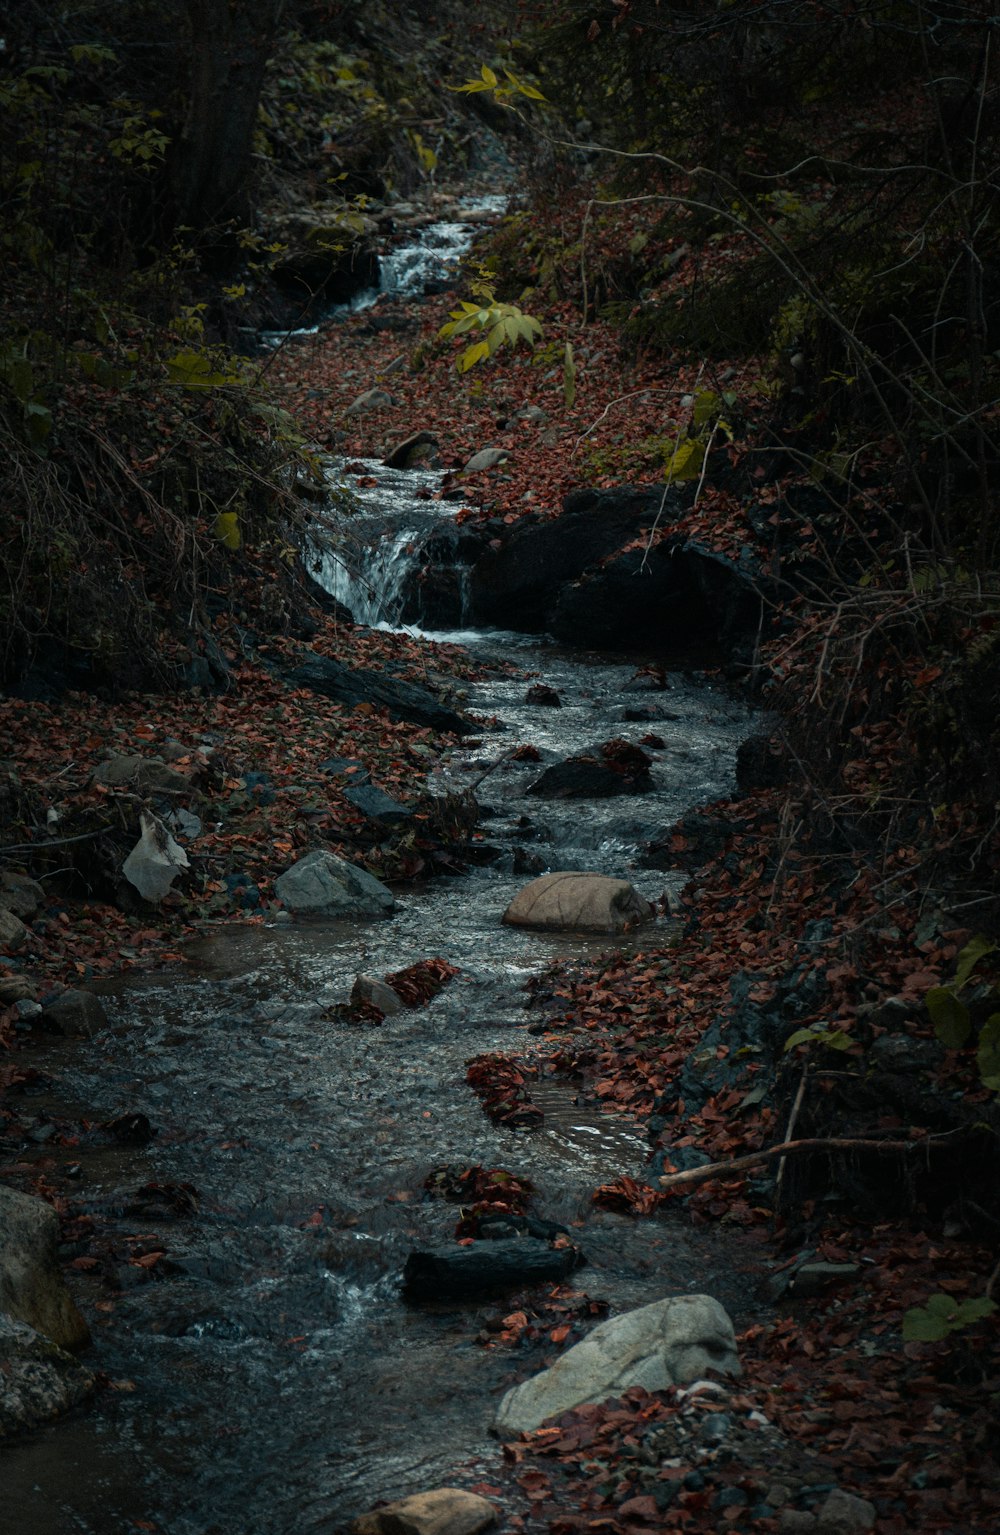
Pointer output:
x,y
84,1263
643,1507
560,1334
147,1260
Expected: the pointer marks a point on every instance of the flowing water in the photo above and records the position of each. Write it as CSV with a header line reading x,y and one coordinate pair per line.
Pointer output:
x,y
281,1383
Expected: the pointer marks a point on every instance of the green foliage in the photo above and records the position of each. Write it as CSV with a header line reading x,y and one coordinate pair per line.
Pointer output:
x,y
497,324
503,91
942,1316
952,1018
819,1034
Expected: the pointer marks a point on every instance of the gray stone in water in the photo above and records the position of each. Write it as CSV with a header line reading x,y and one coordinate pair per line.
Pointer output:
x,y
38,1381
377,805
668,1343
367,988
323,885
77,1013
32,1289
569,901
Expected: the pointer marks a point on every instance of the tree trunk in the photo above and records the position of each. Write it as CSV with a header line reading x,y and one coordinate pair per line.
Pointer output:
x,y
231,42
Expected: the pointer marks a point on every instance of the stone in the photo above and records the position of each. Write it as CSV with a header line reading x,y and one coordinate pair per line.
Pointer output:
x,y
543,697
670,1342
445,1511
372,399
597,774
376,805
323,885
15,988
844,1513
21,895
569,901
32,1289
77,1013
38,1381
13,933
486,1268
367,988
417,449
487,458
149,775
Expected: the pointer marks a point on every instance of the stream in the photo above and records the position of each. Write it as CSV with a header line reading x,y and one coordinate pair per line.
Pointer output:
x,y
269,1378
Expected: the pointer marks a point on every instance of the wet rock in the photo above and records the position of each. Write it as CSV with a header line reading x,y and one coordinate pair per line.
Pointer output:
x,y
543,697
21,895
842,1513
368,989
670,1342
38,1381
569,901
32,1289
402,700
485,1268
75,1012
419,449
615,768
323,885
516,584
445,1511
761,763
13,933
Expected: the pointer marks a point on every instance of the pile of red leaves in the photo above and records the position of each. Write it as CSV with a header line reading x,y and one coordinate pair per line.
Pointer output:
x,y
502,1087
418,983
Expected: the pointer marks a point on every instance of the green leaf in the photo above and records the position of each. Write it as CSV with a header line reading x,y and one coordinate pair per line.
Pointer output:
x,y
976,949
472,355
949,1015
988,1053
706,406
943,1315
195,370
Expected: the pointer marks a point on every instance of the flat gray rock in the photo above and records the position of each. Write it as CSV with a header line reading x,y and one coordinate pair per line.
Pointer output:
x,y
323,885
668,1343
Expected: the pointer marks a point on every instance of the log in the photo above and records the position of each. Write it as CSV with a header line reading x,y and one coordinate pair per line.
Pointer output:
x,y
485,1268
739,1165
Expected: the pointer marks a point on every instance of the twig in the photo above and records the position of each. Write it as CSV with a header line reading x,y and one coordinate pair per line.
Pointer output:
x,y
792,1121
36,847
713,1170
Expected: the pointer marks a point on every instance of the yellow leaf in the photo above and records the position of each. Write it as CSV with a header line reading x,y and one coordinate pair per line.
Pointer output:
x,y
227,529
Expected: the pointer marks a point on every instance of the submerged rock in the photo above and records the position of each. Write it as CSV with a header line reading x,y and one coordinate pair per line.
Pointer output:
x,y
323,885
568,901
77,1013
668,1343
486,1268
38,1381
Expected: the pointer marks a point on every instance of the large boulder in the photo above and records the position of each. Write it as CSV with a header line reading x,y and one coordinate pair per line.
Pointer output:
x,y
38,1381
445,1511
517,583
32,1289
323,885
668,1343
568,901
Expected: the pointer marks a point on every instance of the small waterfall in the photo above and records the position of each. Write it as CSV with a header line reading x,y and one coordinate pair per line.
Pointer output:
x,y
370,581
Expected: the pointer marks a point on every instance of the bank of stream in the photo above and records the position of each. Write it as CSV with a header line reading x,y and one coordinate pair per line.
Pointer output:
x,y
267,1374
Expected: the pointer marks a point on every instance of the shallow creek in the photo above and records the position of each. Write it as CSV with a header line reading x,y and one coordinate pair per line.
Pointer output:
x,y
281,1385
